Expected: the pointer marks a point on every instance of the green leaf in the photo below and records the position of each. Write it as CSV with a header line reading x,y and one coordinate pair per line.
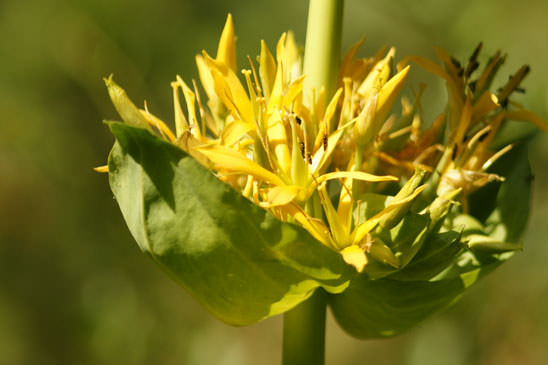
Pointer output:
x,y
124,106
385,307
438,251
235,258
394,248
407,237
513,198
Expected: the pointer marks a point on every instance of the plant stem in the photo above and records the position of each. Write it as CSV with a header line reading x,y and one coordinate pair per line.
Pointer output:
x,y
323,47
304,325
304,332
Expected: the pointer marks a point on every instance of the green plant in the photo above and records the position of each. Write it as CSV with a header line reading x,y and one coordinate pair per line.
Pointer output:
x,y
303,190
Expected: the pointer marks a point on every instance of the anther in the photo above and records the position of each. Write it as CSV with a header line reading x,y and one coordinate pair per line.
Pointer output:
x,y
484,135
454,153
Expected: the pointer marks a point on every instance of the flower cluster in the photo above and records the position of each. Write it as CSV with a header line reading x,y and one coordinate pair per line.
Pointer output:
x,y
324,161
392,193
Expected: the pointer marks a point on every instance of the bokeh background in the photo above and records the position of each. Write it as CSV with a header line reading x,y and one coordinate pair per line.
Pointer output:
x,y
74,288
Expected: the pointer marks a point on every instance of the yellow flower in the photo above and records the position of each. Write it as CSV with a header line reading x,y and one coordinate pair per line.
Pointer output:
x,y
295,155
475,115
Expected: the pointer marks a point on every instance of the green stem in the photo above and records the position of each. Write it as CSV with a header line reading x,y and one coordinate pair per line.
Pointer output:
x,y
304,325
304,332
323,46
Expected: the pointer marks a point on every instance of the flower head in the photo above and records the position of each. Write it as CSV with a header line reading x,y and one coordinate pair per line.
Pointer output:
x,y
391,193
284,152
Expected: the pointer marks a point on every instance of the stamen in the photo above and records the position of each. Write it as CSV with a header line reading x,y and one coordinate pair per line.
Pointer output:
x,y
455,62
153,121
496,156
254,71
512,84
200,108
473,63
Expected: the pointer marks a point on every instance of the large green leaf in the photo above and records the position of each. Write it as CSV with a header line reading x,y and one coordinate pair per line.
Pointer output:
x,y
235,258
386,307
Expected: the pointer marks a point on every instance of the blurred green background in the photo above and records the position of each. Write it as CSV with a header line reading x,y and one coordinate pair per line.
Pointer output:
x,y
74,288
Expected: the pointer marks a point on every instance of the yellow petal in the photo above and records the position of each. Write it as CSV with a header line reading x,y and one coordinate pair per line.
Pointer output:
x,y
347,61
280,195
206,78
314,226
355,256
291,58
267,69
445,58
335,225
363,229
299,167
226,52
364,129
346,201
486,103
388,94
277,137
321,156
159,125
230,90
465,119
378,76
527,116
190,99
181,123
234,161
430,66
325,124
101,169
233,132
276,95
188,143
294,90
381,252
